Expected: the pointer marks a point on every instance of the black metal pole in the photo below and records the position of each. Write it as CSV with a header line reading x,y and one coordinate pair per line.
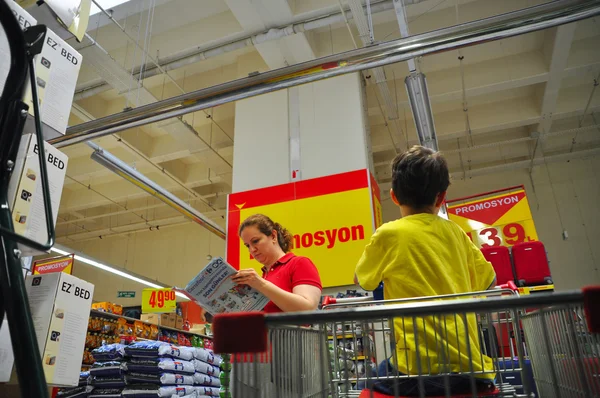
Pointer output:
x,y
13,112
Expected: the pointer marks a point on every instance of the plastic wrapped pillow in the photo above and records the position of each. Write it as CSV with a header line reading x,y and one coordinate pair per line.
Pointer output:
x,y
107,369
155,392
144,349
207,369
77,392
185,353
204,355
208,391
206,380
105,393
165,379
155,349
109,352
160,365
83,378
108,382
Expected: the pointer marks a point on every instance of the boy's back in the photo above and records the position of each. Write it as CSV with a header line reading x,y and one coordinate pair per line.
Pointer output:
x,y
426,255
423,255
420,255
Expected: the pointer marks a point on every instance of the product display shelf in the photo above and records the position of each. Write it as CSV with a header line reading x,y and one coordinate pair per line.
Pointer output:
x,y
108,315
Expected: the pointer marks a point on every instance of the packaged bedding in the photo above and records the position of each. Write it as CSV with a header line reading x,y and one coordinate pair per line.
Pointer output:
x,y
108,381
201,379
166,391
108,369
77,392
204,355
160,365
109,352
105,393
156,349
164,379
206,368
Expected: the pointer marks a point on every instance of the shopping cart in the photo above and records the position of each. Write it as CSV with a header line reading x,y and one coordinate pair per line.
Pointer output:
x,y
565,354
281,339
357,347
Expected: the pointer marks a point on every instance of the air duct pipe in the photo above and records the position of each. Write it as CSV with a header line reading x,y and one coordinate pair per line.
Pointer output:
x,y
122,169
502,26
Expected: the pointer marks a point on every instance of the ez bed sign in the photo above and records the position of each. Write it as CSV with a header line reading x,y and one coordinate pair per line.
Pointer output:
x,y
331,219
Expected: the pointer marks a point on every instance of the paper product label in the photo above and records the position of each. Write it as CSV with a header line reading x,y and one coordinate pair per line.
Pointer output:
x,y
57,69
214,290
25,190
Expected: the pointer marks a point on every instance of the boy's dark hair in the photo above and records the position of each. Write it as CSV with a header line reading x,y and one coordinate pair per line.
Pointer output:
x,y
418,176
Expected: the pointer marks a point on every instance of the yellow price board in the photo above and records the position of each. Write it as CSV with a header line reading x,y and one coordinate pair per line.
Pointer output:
x,y
331,218
500,218
158,300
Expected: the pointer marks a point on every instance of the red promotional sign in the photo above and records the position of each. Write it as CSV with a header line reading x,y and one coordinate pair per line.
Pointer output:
x,y
55,264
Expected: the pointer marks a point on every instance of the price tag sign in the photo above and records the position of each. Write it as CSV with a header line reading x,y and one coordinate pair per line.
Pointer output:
x,y
158,300
495,220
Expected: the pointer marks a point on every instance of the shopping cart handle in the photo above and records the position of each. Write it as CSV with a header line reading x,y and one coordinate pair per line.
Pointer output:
x,y
328,300
509,285
243,332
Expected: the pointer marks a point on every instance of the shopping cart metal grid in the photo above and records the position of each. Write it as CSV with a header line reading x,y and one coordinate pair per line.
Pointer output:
x,y
541,345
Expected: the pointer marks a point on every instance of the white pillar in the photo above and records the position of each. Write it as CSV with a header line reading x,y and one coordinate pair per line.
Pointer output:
x,y
327,118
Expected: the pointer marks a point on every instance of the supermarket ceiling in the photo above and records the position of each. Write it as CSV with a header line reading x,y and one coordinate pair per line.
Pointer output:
x,y
513,90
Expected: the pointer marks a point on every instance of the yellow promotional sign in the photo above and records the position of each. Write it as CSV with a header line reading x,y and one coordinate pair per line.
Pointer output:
x,y
331,220
158,300
501,218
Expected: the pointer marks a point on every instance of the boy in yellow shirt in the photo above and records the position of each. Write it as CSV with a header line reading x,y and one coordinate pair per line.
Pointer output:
x,y
422,254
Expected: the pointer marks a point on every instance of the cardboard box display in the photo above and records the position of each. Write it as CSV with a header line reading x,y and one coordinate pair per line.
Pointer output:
x,y
172,320
179,322
57,69
157,319
25,195
60,306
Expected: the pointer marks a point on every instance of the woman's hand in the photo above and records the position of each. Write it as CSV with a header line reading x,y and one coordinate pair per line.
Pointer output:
x,y
249,277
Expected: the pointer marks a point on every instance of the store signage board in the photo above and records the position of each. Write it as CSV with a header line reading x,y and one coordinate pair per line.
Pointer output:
x,y
126,294
499,218
158,300
55,264
331,219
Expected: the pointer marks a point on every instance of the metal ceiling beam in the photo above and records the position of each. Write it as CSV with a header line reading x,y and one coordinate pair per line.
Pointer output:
x,y
495,28
122,169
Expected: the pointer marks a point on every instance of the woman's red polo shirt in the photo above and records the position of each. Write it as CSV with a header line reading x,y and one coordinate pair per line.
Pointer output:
x,y
288,272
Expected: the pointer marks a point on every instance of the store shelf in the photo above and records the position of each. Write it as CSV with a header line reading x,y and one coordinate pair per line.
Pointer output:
x,y
113,316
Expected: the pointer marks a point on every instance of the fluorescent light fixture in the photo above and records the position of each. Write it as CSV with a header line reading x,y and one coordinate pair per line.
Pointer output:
x,y
418,96
113,270
123,170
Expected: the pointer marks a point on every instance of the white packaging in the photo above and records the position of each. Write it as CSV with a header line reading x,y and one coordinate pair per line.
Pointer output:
x,y
57,69
60,307
25,195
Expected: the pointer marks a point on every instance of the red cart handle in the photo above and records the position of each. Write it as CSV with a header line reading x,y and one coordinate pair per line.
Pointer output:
x,y
328,300
509,285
